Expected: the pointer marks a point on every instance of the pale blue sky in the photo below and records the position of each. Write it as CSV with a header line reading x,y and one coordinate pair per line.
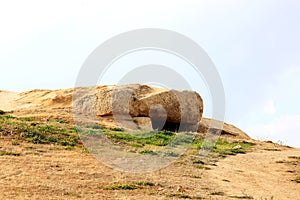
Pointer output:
x,y
254,44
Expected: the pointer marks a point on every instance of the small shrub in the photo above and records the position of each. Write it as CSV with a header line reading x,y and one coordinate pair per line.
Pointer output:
x,y
117,129
198,162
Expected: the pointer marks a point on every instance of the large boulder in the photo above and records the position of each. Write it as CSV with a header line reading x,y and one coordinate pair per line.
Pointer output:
x,y
166,109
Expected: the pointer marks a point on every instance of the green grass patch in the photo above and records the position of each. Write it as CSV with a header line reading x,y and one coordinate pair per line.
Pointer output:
x,y
294,157
151,137
129,186
8,153
145,183
30,130
27,119
117,129
122,186
148,151
15,143
224,148
95,126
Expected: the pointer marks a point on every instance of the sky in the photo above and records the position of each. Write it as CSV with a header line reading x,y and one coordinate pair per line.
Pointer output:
x,y
254,45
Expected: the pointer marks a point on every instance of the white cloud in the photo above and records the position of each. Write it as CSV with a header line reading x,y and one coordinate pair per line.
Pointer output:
x,y
280,121
284,128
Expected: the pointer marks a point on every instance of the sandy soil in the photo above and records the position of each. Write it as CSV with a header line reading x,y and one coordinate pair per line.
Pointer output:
x,y
260,174
51,172
48,171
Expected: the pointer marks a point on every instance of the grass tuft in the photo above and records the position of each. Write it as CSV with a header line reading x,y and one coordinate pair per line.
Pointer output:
x,y
129,186
297,179
8,153
29,129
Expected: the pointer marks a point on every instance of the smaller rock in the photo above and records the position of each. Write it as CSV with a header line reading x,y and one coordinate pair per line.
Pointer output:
x,y
2,112
237,147
180,189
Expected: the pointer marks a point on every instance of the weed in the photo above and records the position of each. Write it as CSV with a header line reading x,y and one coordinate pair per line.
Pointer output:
x,y
137,145
61,121
267,198
195,176
147,151
9,117
28,119
73,194
202,167
117,129
85,150
243,196
198,162
15,143
297,179
294,157
183,196
95,126
171,154
129,186
218,193
271,149
28,147
145,183
178,195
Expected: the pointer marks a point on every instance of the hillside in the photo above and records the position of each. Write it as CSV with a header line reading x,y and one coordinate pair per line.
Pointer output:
x,y
43,157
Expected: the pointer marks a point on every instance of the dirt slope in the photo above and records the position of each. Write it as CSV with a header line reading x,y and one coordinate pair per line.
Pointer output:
x,y
48,171
260,174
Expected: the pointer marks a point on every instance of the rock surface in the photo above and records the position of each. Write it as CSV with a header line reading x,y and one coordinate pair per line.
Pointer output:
x,y
167,109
